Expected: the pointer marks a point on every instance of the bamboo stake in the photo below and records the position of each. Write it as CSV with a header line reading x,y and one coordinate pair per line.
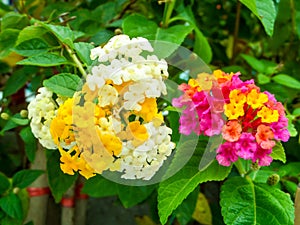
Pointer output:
x,y
80,204
297,206
38,191
67,203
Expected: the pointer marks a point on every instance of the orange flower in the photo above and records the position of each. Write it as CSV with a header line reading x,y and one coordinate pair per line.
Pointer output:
x,y
231,131
264,136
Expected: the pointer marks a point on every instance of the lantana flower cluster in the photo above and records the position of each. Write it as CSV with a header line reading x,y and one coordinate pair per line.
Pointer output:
x,y
249,120
113,122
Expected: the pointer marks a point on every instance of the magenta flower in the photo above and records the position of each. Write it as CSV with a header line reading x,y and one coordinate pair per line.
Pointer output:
x,y
227,153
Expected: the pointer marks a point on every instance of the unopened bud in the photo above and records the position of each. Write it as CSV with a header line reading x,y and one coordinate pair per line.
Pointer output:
x,y
16,190
255,166
4,116
24,113
273,179
118,31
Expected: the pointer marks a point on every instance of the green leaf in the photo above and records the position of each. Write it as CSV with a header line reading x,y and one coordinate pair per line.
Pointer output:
x,y
265,11
8,38
64,34
291,127
139,26
174,190
291,169
30,143
14,121
14,20
244,202
45,59
31,32
263,79
132,195
254,63
24,178
287,81
59,182
4,183
278,152
32,47
64,84
83,50
19,121
185,210
202,47
7,220
11,204
98,186
16,81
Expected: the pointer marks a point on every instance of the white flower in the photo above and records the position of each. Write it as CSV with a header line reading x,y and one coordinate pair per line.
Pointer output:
x,y
41,111
108,95
144,161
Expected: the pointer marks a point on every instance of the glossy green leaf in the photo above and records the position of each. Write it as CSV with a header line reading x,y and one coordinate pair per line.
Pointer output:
x,y
292,169
186,209
287,81
132,195
291,127
254,63
8,38
244,202
64,84
16,81
202,47
64,34
31,32
59,182
14,20
11,204
4,183
263,79
265,11
174,190
7,220
138,26
45,59
14,121
30,143
32,47
83,50
24,178
278,152
98,186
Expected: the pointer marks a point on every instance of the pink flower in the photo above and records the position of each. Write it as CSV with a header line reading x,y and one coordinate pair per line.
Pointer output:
x,y
189,122
227,153
263,156
246,146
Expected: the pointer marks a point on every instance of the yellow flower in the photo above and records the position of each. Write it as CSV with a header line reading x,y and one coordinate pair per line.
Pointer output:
x,y
204,81
268,115
68,163
111,143
194,84
237,97
234,111
221,76
149,109
255,99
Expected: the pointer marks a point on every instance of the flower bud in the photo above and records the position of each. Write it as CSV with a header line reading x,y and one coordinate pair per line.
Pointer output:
x,y
5,116
273,179
24,113
16,190
255,166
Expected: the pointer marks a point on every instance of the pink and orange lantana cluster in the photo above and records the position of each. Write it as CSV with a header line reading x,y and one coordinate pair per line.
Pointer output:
x,y
250,121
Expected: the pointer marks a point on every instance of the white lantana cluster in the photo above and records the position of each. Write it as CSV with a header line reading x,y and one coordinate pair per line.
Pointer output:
x,y
144,161
41,111
126,65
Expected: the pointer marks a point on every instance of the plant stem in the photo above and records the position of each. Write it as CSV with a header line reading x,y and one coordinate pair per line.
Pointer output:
x,y
76,61
238,164
169,6
236,31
